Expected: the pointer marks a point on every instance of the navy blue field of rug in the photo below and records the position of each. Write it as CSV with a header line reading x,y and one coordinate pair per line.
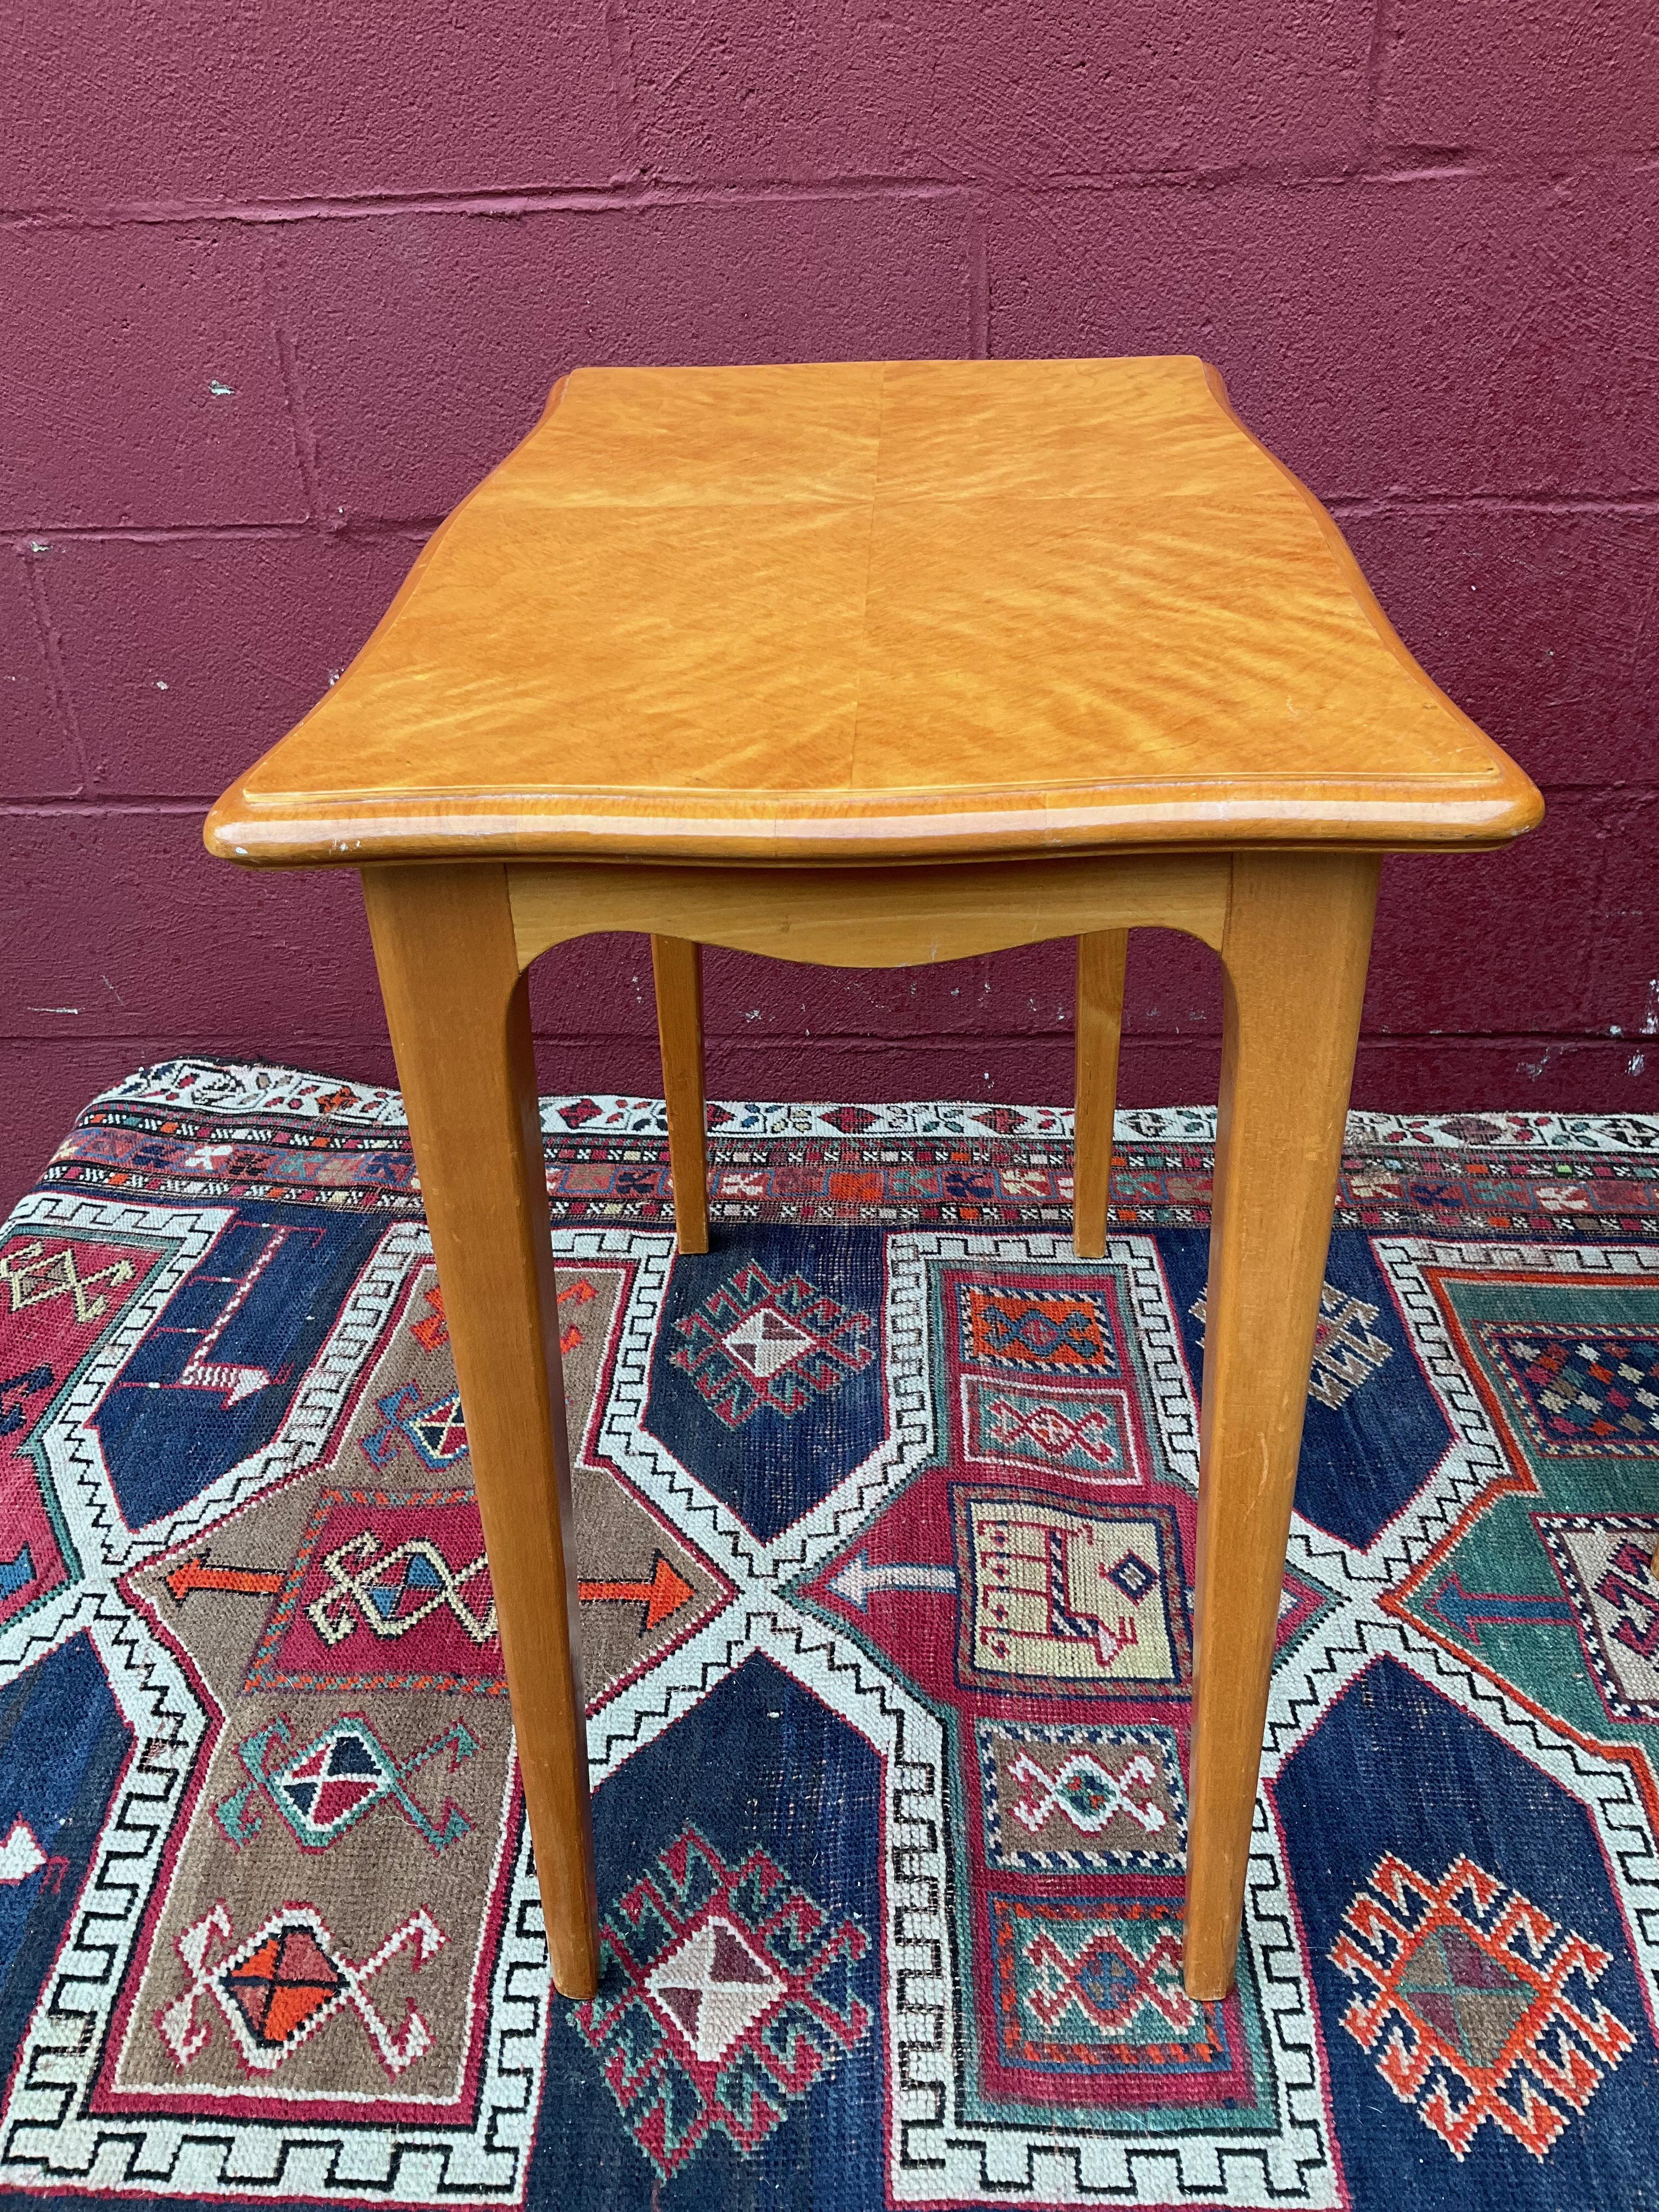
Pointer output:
x,y
886,1521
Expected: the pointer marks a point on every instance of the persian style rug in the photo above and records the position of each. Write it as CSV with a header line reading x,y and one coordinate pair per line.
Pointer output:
x,y
885,1515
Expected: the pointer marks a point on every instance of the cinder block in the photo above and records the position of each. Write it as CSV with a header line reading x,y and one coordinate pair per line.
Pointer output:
x,y
1532,77
110,104
1460,1075
426,344
37,759
988,1069
1168,1071
1467,334
859,89
187,659
1621,931
1173,988
142,378
599,989
45,1085
593,1005
119,925
1540,625
1497,944
786,1002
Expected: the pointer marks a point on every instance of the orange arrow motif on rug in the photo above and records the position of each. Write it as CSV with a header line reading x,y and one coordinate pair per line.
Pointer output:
x,y
665,1592
196,1575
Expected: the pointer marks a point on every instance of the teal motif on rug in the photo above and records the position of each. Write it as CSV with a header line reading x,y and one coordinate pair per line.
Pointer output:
x,y
886,1522
1084,1988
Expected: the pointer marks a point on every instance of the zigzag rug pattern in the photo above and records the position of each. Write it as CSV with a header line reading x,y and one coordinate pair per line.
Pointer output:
x,y
886,1518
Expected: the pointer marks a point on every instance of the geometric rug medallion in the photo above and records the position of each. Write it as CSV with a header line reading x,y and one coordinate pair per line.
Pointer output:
x,y
1477,2007
886,1519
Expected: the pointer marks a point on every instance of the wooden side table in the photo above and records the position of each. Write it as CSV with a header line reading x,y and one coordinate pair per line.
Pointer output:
x,y
869,665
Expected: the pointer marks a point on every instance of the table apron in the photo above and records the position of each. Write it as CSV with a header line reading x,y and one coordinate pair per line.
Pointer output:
x,y
891,917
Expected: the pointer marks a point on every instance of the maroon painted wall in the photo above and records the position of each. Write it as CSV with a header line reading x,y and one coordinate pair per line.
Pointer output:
x,y
278,285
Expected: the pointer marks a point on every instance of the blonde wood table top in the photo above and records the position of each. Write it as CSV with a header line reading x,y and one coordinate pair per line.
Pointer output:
x,y
878,611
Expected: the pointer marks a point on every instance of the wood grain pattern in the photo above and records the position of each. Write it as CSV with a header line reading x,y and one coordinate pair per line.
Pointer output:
x,y
1294,956
878,612
1101,957
458,1007
676,966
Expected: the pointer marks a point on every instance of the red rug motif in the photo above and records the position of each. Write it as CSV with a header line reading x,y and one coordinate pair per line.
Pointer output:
x,y
885,1521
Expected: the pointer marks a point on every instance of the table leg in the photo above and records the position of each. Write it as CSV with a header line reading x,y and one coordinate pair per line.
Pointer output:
x,y
1100,959
1294,952
676,964
459,1013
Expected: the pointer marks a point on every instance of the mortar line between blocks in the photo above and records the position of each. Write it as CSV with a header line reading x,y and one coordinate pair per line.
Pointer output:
x,y
619,67
58,682
300,429
1384,33
1400,165
979,279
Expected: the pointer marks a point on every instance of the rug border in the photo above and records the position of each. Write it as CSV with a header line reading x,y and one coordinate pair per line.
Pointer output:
x,y
228,1086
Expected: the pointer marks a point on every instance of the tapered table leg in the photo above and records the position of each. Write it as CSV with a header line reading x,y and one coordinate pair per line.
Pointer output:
x,y
676,965
459,1012
1100,963
1294,948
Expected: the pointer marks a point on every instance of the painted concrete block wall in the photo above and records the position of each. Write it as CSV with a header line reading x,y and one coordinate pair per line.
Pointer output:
x,y
280,284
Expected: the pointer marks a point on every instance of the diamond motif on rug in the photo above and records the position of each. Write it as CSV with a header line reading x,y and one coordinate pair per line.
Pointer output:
x,y
1047,1332
282,1985
1605,1561
279,1986
435,1428
1084,1434
757,1345
715,1986
1581,1390
32,1276
765,1341
1093,1986
1475,2005
724,1999
1084,1797
327,1786
389,1589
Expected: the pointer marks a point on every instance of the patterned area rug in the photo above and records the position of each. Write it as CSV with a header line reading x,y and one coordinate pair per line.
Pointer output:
x,y
885,1521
